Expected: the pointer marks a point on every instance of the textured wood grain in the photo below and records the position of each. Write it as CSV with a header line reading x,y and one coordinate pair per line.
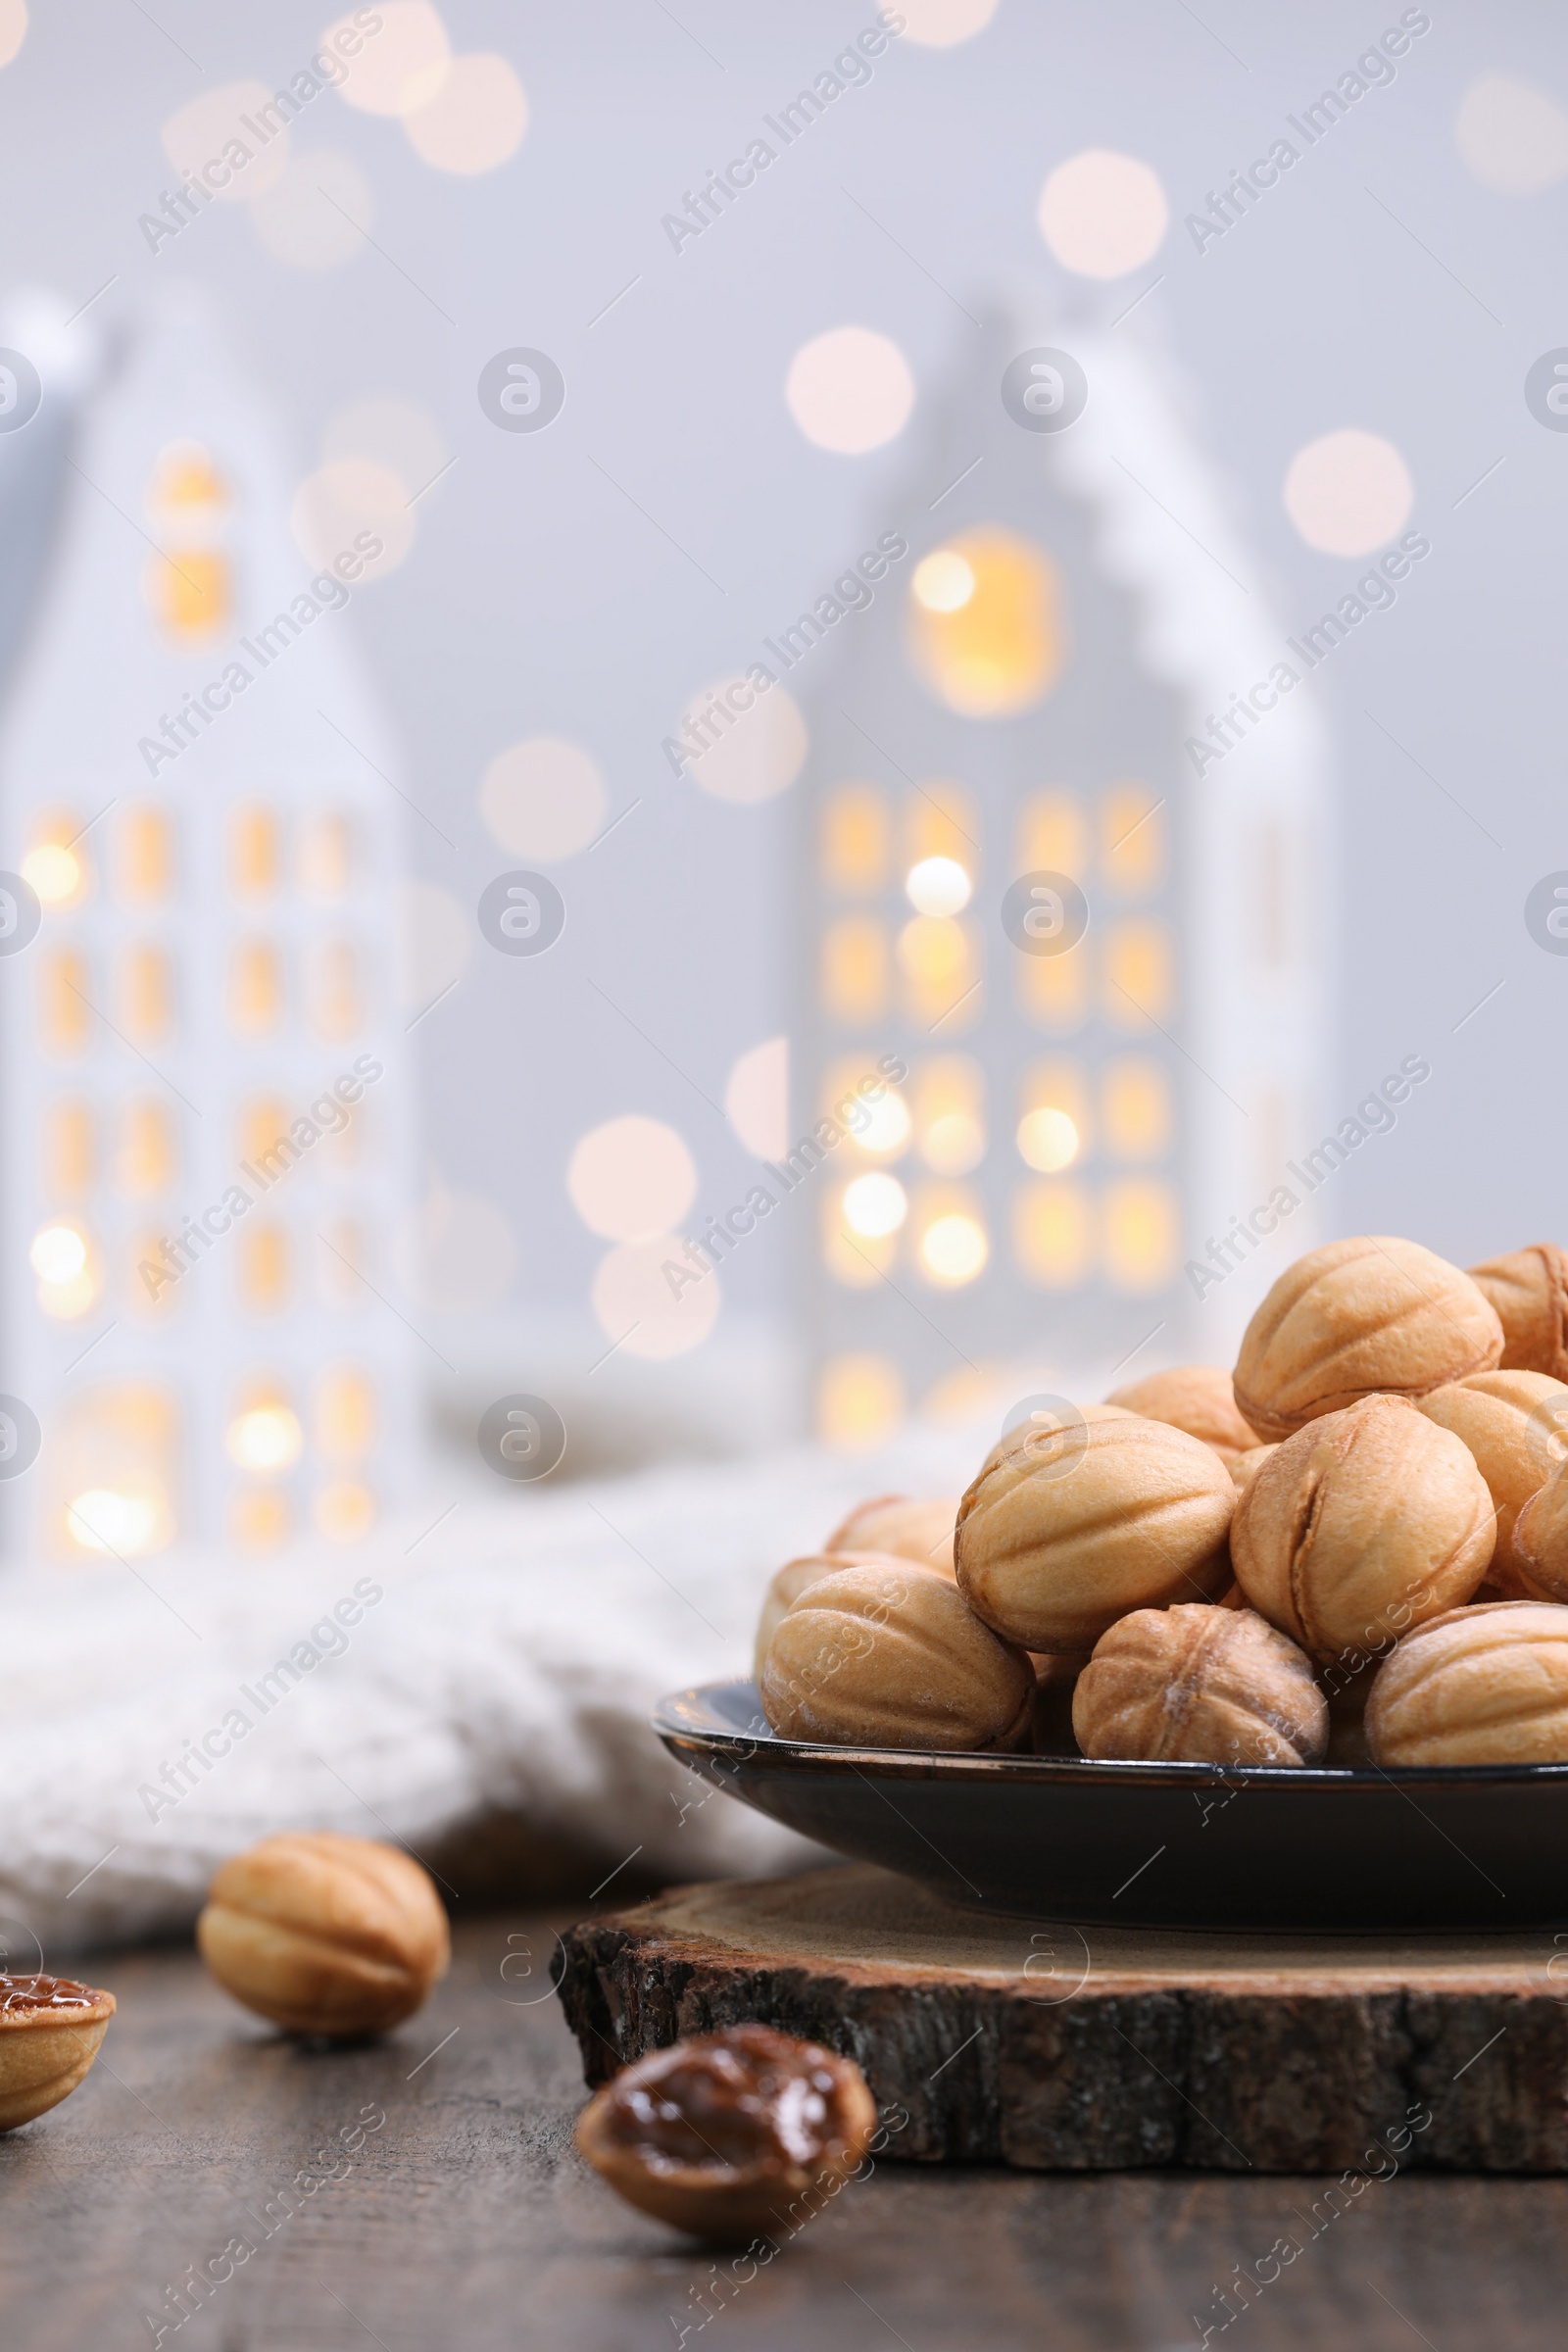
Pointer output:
x,y
471,2222
1057,2048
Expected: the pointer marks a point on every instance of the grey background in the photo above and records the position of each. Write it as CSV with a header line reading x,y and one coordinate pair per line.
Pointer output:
x,y
539,600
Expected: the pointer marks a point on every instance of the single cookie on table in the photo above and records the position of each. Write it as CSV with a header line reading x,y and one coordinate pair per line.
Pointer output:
x,y
889,1654
1065,1530
1363,1524
1515,1424
1372,1315
1196,1398
50,2031
719,2134
899,1524
1192,1685
324,1934
1479,1685
1528,1288
788,1583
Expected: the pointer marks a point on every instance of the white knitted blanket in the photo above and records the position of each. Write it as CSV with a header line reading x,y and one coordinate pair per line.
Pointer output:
x,y
486,1691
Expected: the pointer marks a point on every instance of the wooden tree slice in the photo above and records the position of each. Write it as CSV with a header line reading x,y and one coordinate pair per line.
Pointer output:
x,y
1098,2048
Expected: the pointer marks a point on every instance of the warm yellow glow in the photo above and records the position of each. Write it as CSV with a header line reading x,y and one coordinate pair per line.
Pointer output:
x,y
103,1519
262,1266
266,1438
146,996
953,1248
1138,1108
933,950
854,970
255,988
54,871
63,1008
860,1401
940,820
259,1519
854,838
857,1260
940,959
1048,1140
191,592
345,1414
185,476
953,1142
1053,835
263,1123
875,1204
345,1510
111,1471
887,1128
146,856
1143,1234
147,1158
1053,990
950,1111
59,1253
943,581
938,885
67,1149
1140,974
1003,647
1053,1234
254,852
1132,823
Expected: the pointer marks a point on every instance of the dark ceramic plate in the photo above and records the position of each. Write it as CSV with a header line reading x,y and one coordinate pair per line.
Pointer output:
x,y
1176,1846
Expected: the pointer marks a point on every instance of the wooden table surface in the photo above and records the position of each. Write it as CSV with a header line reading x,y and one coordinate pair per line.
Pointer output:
x,y
465,2221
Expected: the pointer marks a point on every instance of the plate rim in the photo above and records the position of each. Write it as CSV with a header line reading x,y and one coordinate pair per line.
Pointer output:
x,y
678,1719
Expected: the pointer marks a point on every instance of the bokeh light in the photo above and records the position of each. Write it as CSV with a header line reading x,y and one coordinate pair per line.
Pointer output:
x,y
953,1248
938,885
197,135
543,798
850,390
1349,492
875,1204
1003,646
638,1306
944,23
266,1438
475,121
1103,214
1511,137
630,1178
13,28
760,752
756,1098
402,66
1048,1140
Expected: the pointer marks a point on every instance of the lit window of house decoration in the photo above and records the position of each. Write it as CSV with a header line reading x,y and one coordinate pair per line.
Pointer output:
x,y
68,1160
59,863
255,851
211,962
146,856
1018,702
189,578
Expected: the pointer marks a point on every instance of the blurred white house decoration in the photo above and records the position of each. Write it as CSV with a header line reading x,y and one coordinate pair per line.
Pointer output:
x,y
204,1089
1095,1130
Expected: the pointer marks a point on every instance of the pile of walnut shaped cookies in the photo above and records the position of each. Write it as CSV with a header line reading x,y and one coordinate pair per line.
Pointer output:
x,y
1353,1549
